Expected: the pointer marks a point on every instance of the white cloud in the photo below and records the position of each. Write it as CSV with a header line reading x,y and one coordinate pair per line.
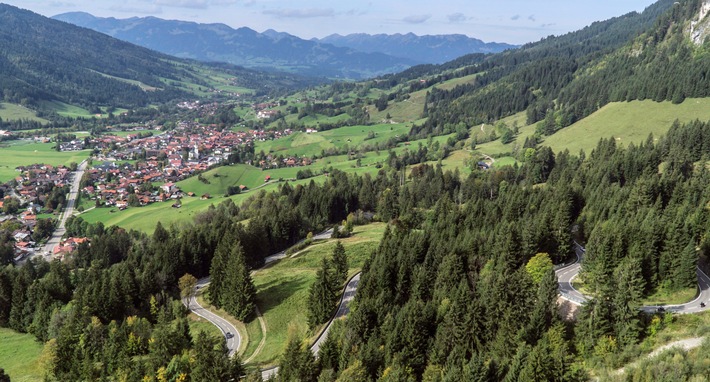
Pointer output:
x,y
416,19
457,17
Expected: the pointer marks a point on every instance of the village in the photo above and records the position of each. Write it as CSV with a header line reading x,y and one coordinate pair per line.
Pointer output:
x,y
39,189
130,171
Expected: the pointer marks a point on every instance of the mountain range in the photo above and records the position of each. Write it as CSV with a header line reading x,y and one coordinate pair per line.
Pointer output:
x,y
344,57
427,49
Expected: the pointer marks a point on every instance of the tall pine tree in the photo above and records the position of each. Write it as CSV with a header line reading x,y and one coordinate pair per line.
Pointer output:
x,y
340,263
239,292
322,296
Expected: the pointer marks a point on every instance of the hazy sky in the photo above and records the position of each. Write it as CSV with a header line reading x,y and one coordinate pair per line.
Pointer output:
x,y
512,21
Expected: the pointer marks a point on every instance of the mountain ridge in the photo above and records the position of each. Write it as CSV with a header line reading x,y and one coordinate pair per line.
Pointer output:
x,y
428,49
242,46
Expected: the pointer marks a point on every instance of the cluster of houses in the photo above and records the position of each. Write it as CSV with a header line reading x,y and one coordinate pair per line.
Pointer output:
x,y
189,143
265,110
22,226
32,188
73,145
22,234
169,157
36,181
208,108
114,184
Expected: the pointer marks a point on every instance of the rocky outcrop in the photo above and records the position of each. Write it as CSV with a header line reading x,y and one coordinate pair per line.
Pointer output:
x,y
699,29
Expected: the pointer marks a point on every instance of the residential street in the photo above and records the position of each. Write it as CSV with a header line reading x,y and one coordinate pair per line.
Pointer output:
x,y
68,211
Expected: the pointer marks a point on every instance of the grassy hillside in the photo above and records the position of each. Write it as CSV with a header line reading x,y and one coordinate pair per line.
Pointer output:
x,y
13,112
627,122
20,356
145,218
20,153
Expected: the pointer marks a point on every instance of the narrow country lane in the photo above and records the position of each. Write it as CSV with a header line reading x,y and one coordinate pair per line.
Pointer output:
x,y
234,340
567,274
343,310
229,331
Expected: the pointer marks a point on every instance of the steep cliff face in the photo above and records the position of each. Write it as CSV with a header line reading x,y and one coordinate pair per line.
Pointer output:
x,y
699,28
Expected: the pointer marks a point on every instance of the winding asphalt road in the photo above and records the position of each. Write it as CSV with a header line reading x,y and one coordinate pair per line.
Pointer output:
x,y
68,211
234,341
567,274
229,331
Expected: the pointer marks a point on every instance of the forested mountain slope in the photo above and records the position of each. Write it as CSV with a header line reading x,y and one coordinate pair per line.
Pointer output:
x,y
566,78
44,60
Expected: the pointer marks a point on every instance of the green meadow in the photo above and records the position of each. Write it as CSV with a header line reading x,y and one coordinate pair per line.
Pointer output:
x,y
219,179
20,356
72,111
626,122
145,218
23,153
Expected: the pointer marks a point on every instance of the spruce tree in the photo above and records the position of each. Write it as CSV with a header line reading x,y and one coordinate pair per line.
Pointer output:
x,y
218,271
340,263
321,300
239,291
4,377
685,274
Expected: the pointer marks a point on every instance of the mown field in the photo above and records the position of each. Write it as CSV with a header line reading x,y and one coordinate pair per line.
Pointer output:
x,y
23,153
145,218
282,289
20,356
67,110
